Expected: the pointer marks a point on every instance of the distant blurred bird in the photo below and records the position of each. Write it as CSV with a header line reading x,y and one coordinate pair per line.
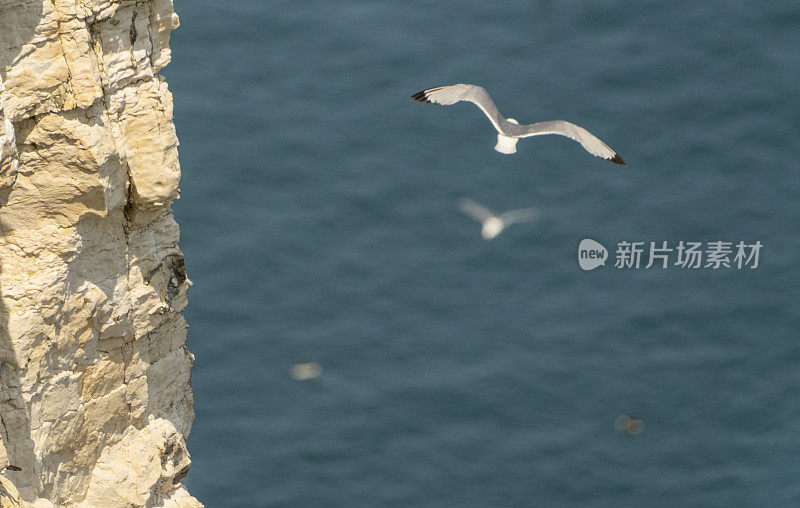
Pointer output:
x,y
305,371
629,424
509,131
493,224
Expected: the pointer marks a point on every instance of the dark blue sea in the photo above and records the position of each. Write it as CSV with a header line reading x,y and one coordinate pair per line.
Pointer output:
x,y
319,223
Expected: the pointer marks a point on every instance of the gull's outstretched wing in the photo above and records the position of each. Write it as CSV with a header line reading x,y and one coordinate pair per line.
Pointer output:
x,y
474,210
592,144
521,215
451,94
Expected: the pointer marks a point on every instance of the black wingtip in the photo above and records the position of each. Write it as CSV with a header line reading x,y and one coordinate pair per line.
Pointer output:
x,y
618,160
420,96
13,468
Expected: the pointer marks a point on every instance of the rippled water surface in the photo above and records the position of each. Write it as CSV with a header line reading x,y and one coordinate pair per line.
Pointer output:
x,y
319,224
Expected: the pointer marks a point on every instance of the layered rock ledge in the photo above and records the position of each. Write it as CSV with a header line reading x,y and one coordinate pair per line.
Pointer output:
x,y
95,394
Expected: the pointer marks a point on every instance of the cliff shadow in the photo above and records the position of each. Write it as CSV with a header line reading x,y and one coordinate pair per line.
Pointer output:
x,y
19,20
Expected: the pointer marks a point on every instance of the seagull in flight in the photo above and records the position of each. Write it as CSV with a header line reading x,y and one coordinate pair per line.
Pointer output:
x,y
508,130
494,224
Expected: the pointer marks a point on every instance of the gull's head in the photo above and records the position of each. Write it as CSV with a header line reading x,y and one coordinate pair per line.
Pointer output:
x,y
512,121
492,227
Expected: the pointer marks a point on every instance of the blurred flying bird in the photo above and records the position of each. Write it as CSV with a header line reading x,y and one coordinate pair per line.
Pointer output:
x,y
494,224
629,424
305,371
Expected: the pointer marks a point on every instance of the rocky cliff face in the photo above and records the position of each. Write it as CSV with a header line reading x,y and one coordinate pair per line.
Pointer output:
x,y
95,396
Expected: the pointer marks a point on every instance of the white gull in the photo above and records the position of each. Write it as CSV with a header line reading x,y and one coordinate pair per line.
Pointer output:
x,y
508,130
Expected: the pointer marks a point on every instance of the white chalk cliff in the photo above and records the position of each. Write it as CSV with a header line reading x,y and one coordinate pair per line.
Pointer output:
x,y
95,394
